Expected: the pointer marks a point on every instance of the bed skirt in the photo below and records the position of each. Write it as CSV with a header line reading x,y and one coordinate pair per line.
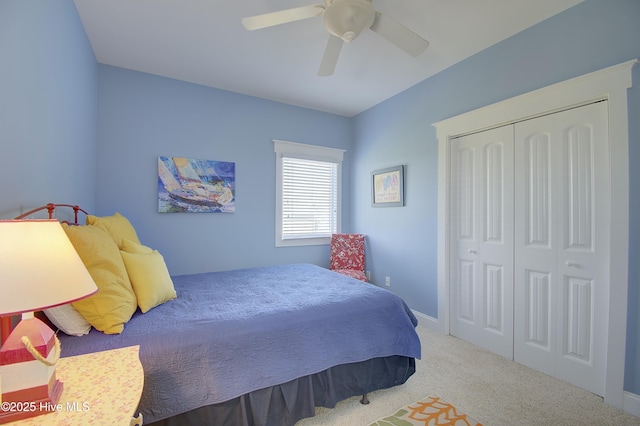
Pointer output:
x,y
284,405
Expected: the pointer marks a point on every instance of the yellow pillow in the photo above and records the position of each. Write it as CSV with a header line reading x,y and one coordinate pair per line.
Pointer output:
x,y
150,278
117,226
115,302
133,247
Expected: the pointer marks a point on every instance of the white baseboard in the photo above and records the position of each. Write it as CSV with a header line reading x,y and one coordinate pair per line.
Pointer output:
x,y
430,322
631,403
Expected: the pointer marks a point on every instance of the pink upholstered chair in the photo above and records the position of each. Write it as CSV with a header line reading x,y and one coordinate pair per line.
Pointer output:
x,y
347,255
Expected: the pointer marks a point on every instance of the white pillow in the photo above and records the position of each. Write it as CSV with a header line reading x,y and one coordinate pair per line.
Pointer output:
x,y
68,319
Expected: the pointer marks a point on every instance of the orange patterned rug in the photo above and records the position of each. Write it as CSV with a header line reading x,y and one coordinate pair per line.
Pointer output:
x,y
429,411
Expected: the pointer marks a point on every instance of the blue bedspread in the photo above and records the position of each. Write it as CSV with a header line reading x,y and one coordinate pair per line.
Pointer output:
x,y
230,333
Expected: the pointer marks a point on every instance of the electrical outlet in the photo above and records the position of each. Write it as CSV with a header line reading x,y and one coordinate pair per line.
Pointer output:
x,y
387,281
368,275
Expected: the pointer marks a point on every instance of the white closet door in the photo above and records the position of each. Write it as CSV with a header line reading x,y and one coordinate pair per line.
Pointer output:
x,y
561,246
482,240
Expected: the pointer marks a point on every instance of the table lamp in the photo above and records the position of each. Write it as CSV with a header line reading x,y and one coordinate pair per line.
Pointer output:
x,y
39,269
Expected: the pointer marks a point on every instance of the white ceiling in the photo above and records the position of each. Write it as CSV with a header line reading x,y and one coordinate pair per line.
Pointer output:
x,y
204,42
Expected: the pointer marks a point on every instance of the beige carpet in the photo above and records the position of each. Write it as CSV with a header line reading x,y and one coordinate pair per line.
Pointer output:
x,y
429,411
492,390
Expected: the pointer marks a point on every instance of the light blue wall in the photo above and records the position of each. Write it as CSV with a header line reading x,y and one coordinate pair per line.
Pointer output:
x,y
48,104
142,116
402,241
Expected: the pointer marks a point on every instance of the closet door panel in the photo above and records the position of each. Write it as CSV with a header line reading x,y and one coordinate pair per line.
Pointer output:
x,y
537,191
579,181
482,250
561,216
535,247
584,246
537,327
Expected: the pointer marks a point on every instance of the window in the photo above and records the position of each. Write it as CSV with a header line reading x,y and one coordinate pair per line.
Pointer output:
x,y
308,193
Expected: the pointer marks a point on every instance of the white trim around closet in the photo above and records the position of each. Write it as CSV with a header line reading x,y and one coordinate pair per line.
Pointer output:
x,y
611,84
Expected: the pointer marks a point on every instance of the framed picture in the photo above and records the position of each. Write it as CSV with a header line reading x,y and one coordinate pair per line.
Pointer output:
x,y
196,186
387,187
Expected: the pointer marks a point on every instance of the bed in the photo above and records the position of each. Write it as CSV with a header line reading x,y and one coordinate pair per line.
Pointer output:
x,y
262,346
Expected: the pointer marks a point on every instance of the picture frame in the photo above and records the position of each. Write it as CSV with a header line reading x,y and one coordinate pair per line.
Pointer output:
x,y
387,187
188,185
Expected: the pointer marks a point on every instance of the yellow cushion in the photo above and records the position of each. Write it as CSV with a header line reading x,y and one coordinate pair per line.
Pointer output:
x,y
133,247
117,226
150,278
115,302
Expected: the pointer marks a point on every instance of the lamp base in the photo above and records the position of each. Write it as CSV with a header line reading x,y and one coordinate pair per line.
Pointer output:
x,y
29,386
12,411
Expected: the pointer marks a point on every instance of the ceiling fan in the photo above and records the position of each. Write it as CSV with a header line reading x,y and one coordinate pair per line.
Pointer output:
x,y
344,20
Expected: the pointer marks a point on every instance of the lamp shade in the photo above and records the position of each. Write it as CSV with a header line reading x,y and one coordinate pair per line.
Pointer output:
x,y
39,267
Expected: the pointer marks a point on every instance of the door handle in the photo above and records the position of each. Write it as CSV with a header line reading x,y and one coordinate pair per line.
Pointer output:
x,y
572,264
472,251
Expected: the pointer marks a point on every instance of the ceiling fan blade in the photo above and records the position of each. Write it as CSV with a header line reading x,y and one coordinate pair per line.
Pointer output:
x,y
282,17
399,35
330,57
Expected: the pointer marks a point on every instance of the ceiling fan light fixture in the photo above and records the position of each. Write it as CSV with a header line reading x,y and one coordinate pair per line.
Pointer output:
x,y
346,19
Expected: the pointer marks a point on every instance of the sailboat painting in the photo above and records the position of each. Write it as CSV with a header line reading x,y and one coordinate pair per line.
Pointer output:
x,y
196,186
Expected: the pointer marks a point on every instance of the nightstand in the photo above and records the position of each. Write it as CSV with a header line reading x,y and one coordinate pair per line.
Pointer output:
x,y
101,388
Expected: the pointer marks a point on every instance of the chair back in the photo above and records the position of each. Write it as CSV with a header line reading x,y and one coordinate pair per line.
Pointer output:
x,y
347,252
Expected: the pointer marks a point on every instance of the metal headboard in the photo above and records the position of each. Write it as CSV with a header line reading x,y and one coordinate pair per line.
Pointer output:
x,y
50,208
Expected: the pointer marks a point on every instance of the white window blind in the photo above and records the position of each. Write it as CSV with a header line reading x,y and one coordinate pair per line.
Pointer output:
x,y
308,193
309,198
